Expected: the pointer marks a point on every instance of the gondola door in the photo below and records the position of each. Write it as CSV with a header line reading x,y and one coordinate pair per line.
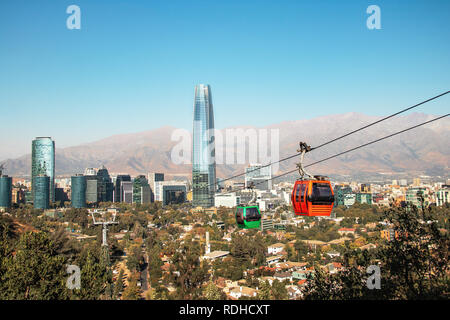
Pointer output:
x,y
303,197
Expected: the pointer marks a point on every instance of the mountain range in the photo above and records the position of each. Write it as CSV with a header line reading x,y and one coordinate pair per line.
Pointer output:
x,y
424,150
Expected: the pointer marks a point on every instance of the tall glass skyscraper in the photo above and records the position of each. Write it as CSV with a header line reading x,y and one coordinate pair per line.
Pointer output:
x,y
43,162
204,163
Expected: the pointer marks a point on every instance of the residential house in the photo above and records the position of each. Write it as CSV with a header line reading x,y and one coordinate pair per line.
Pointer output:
x,y
275,248
240,291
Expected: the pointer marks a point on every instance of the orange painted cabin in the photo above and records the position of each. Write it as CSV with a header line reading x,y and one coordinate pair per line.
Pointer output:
x,y
312,198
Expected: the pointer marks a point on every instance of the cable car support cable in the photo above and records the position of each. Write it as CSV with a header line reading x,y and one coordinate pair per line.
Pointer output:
x,y
344,152
340,137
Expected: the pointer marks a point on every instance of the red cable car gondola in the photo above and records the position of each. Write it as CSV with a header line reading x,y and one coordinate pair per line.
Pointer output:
x,y
314,196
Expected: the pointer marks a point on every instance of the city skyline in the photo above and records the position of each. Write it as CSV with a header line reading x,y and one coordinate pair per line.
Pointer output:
x,y
311,61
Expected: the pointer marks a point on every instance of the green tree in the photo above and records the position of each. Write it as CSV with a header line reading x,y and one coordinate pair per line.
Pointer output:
x,y
118,286
191,272
264,292
35,271
279,291
95,275
131,292
211,292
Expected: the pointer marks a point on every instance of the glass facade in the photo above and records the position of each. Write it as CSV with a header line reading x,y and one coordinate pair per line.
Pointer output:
x,y
340,193
91,189
414,194
141,190
126,191
203,164
78,191
105,185
117,187
43,162
41,199
173,194
5,191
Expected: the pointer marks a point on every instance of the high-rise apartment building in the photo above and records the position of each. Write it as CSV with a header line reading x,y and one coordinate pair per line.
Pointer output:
x,y
203,164
43,162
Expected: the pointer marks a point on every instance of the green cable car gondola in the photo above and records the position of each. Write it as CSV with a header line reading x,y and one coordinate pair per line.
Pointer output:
x,y
248,217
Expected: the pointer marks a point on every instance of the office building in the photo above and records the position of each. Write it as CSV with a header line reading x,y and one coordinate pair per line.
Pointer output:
x,y
203,164
18,195
43,162
41,192
162,186
442,195
118,187
340,193
5,191
91,189
260,176
173,194
61,195
126,191
414,196
141,190
78,191
364,198
105,185
152,179
228,200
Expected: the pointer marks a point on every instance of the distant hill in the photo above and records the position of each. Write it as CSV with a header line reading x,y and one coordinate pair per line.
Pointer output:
x,y
424,150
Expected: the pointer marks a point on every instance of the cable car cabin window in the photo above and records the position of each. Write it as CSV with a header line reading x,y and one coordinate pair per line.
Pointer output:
x,y
240,215
297,192
300,193
252,214
321,194
303,192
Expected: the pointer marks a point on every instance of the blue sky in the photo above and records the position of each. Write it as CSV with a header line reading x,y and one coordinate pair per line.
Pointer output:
x,y
133,65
